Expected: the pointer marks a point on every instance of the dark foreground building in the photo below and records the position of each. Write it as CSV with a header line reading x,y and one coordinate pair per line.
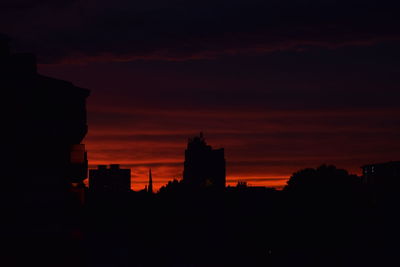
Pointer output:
x,y
113,179
43,125
383,181
204,166
382,174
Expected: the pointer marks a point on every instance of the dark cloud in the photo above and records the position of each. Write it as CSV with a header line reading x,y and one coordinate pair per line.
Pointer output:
x,y
13,5
343,78
122,30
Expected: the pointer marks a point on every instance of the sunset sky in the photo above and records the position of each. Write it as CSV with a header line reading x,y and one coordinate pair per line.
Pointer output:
x,y
281,85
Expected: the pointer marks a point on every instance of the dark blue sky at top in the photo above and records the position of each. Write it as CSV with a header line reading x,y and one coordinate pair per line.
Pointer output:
x,y
185,29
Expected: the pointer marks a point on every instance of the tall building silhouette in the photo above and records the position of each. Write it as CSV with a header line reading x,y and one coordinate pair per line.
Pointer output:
x,y
112,179
204,166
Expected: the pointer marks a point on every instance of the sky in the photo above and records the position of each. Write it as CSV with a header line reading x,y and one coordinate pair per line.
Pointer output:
x,y
281,85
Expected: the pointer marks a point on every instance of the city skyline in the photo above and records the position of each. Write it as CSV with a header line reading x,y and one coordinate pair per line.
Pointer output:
x,y
281,85
217,133
269,142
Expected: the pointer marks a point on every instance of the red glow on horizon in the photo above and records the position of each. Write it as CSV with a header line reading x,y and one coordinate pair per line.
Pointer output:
x,y
264,145
162,175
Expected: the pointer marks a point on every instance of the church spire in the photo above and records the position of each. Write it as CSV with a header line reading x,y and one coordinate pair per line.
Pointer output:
x,y
150,187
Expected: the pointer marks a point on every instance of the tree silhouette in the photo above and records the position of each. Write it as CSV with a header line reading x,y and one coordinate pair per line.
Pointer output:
x,y
325,183
173,187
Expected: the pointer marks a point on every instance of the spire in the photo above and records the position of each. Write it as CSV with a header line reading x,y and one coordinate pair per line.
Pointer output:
x,y
150,187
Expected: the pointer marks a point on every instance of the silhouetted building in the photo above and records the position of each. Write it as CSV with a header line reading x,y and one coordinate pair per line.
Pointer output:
x,y
45,123
113,179
204,166
382,175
